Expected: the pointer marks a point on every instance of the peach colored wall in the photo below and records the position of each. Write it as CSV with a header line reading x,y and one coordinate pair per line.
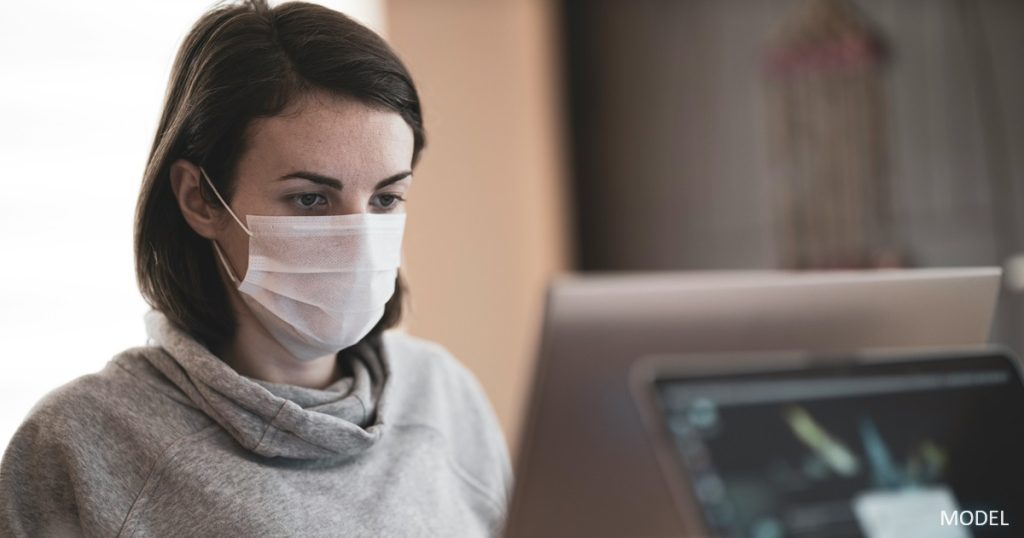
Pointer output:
x,y
487,218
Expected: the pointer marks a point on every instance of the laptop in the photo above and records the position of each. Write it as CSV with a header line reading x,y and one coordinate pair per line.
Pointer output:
x,y
584,464
866,445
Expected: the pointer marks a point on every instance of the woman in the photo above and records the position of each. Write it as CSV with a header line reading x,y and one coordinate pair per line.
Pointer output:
x,y
271,399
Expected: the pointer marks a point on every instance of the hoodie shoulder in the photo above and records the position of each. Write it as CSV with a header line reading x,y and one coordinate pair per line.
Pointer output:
x,y
81,454
413,354
113,411
427,371
434,389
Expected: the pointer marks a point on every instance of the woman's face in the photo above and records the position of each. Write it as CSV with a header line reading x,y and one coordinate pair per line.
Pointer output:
x,y
326,156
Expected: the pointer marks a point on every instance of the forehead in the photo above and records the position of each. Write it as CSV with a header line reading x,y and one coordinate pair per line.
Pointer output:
x,y
332,134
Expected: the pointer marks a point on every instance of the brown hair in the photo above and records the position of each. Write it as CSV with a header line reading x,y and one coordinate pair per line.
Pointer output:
x,y
240,62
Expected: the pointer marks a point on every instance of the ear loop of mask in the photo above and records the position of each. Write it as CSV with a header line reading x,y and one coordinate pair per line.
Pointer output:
x,y
216,247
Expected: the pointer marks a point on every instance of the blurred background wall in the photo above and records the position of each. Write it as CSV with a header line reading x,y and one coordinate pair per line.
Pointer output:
x,y
671,143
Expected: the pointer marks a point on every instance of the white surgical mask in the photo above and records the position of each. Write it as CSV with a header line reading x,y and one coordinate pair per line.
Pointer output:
x,y
318,283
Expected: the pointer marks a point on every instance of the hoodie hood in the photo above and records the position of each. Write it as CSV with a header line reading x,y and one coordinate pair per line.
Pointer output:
x,y
273,419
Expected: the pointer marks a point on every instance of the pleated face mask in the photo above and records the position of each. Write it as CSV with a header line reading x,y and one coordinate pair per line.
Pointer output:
x,y
318,284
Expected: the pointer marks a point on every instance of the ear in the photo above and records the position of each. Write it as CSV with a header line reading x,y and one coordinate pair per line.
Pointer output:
x,y
201,216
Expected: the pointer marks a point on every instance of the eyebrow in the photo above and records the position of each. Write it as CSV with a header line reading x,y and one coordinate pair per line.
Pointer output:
x,y
336,183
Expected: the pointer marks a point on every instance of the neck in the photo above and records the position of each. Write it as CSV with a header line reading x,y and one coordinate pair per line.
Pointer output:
x,y
254,357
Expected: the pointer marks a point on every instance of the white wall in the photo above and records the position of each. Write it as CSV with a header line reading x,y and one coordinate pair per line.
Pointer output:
x,y
81,85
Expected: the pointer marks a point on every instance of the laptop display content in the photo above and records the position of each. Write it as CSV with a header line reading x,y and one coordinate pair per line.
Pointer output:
x,y
931,447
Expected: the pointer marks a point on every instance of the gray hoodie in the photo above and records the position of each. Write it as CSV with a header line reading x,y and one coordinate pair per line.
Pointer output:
x,y
167,440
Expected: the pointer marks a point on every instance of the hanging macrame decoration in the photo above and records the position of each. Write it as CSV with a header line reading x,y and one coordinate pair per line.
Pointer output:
x,y
825,119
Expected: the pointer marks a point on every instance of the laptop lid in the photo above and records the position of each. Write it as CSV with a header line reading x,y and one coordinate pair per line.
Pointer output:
x,y
584,466
924,445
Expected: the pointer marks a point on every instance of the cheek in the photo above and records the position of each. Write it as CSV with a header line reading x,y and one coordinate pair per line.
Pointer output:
x,y
234,242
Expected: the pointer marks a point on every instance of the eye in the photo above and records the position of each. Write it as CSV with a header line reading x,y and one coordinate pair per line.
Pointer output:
x,y
388,200
309,200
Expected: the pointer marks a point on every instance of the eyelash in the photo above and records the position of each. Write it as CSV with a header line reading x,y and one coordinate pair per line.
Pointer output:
x,y
298,197
396,200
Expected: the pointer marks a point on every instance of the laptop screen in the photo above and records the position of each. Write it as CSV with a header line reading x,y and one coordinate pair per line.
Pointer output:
x,y
915,448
